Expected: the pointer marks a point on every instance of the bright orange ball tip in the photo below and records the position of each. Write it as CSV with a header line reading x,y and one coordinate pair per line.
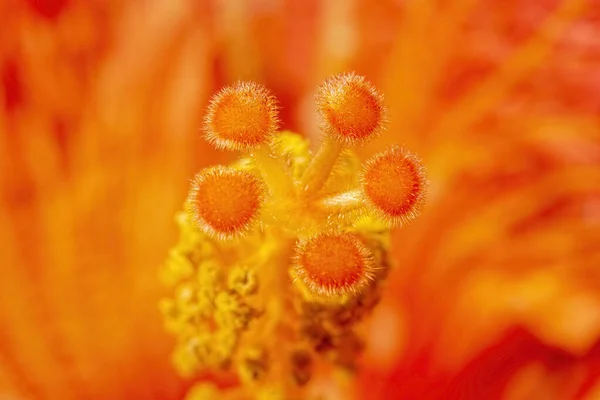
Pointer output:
x,y
350,108
395,184
333,265
225,202
242,116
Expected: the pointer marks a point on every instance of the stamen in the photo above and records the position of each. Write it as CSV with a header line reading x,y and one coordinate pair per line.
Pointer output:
x,y
333,265
242,116
394,184
224,201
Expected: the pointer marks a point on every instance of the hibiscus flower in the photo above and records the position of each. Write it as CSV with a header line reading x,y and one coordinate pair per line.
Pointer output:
x,y
493,290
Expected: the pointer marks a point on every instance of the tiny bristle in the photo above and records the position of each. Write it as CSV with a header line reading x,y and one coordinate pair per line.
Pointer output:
x,y
225,202
395,184
333,265
242,116
350,108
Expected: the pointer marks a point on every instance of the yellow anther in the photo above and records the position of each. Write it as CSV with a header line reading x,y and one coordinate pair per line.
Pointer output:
x,y
243,281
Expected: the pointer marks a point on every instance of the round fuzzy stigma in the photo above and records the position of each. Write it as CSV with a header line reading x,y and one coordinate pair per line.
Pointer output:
x,y
241,116
333,264
350,108
395,183
224,201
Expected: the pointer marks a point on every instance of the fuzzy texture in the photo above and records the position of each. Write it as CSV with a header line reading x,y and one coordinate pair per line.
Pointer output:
x,y
350,108
333,265
395,184
241,117
225,202
308,259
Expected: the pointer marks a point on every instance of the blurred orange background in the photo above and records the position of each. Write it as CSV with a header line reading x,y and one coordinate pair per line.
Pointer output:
x,y
496,290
